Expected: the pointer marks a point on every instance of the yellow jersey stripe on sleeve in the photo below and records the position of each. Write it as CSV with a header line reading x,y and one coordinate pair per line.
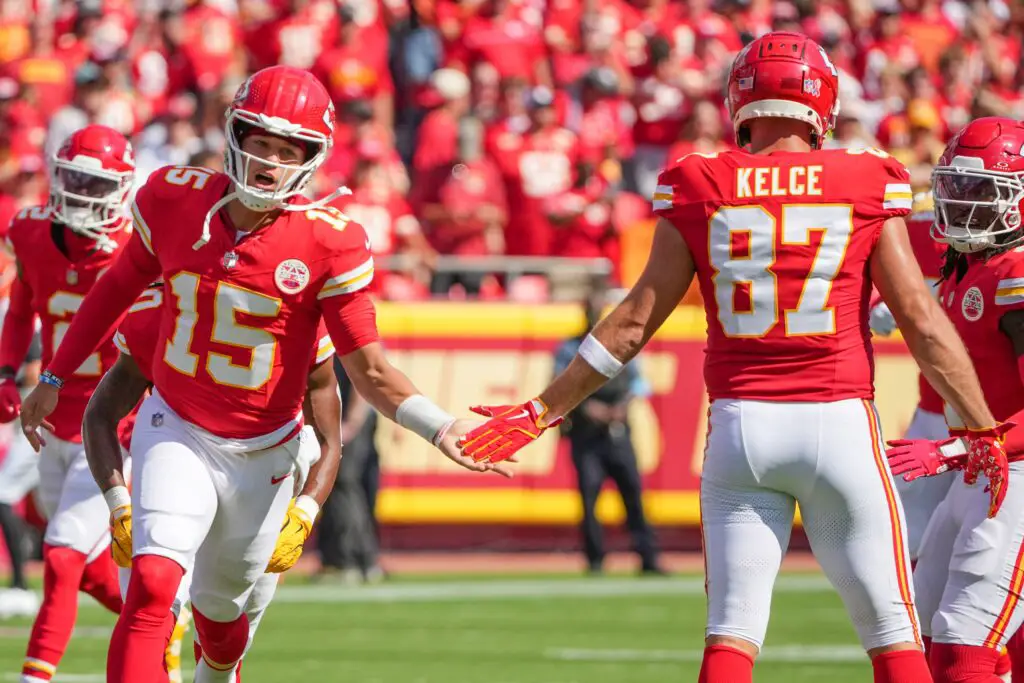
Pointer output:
x,y
324,350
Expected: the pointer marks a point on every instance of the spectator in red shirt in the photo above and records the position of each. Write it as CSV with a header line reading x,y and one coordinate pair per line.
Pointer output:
x,y
462,204
354,71
661,106
305,32
504,36
42,72
535,165
211,43
385,215
438,134
582,217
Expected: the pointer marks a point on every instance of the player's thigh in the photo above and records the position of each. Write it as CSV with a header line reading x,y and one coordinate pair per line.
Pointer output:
x,y
854,522
259,600
932,569
920,498
52,468
253,496
174,500
745,530
19,473
81,518
981,601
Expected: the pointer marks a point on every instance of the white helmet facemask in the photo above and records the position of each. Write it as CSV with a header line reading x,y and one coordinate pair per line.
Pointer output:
x,y
293,179
89,199
976,208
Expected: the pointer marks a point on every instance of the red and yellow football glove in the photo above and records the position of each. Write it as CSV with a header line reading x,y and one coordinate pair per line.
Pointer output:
x,y
509,429
986,455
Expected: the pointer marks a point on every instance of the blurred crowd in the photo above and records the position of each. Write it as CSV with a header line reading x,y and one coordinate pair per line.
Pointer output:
x,y
487,127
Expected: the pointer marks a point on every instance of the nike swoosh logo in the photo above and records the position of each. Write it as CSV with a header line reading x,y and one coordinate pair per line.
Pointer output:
x,y
274,481
525,413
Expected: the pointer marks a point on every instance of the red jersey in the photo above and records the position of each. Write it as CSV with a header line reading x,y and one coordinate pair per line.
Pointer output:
x,y
139,334
781,244
57,284
976,302
929,255
240,326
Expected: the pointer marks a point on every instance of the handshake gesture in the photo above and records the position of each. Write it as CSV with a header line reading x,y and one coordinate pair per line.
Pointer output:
x,y
975,451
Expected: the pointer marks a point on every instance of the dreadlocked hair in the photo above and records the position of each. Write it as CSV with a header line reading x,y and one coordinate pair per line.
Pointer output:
x,y
952,262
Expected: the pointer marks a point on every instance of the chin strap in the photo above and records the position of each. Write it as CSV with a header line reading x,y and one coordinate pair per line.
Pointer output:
x,y
204,239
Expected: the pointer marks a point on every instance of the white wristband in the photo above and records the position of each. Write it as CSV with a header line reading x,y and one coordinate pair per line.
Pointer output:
x,y
117,497
599,358
308,505
424,417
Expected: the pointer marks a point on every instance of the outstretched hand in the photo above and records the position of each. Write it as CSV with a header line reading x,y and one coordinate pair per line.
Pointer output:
x,y
449,445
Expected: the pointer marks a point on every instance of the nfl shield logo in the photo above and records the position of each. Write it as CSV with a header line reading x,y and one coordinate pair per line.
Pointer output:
x,y
72,276
157,419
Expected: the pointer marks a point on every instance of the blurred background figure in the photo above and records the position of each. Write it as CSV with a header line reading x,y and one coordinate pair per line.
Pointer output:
x,y
602,448
349,550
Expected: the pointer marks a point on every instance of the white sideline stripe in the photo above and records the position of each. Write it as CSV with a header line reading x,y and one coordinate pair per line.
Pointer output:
x,y
527,589
524,590
781,653
64,678
87,632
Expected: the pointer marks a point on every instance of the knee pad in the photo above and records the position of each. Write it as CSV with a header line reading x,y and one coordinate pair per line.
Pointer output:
x,y
223,643
153,584
63,569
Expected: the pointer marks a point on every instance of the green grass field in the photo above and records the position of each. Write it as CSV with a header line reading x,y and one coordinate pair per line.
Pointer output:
x,y
502,630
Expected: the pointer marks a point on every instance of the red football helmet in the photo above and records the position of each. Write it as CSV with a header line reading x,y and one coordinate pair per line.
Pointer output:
x,y
979,185
93,173
289,103
784,75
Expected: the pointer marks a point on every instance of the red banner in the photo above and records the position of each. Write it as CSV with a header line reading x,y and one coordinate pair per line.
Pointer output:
x,y
465,354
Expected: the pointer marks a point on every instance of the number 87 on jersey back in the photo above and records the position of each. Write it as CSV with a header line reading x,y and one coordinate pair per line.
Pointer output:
x,y
781,244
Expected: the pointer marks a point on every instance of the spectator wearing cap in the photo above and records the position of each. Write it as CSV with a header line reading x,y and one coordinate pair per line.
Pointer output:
x,y
438,134
605,121
661,106
353,71
536,165
462,204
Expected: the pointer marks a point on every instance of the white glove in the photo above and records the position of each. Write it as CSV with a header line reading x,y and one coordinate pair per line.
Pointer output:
x,y
880,320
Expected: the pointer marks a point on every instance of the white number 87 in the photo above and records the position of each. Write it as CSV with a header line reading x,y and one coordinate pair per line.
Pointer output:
x,y
752,268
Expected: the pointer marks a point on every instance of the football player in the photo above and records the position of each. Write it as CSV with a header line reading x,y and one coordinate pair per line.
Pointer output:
x,y
785,240
971,566
249,269
61,250
124,386
922,496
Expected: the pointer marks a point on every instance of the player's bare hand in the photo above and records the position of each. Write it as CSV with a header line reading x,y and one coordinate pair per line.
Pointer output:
x,y
36,407
450,447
